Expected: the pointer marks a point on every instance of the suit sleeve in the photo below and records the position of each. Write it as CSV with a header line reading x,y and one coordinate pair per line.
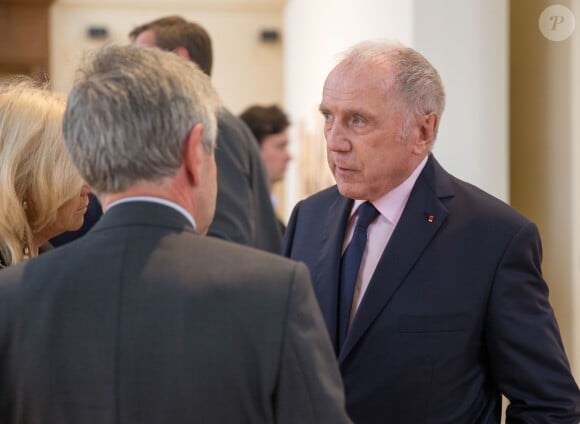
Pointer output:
x,y
309,385
526,355
234,218
289,233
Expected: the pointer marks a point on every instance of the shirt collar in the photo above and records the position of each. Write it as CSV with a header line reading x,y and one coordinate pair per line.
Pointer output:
x,y
158,200
391,204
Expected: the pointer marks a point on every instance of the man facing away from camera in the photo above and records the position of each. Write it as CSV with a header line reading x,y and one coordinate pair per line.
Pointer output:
x,y
145,320
244,213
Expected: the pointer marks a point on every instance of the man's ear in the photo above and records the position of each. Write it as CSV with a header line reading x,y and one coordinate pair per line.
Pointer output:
x,y
193,150
427,130
182,51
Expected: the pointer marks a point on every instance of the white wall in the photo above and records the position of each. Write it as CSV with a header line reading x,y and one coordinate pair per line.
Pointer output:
x,y
245,70
316,33
467,41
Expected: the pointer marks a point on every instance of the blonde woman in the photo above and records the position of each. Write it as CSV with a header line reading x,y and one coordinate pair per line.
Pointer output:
x,y
42,194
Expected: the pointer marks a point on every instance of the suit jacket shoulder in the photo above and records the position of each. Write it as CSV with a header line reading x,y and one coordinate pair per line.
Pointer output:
x,y
103,328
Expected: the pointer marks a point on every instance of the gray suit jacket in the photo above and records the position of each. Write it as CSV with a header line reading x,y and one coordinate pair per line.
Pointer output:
x,y
144,321
244,212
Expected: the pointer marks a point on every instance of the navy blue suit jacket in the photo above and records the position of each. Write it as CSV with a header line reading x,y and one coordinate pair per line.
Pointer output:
x,y
456,312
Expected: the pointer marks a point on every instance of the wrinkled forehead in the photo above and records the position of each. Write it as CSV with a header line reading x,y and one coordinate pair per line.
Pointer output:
x,y
349,79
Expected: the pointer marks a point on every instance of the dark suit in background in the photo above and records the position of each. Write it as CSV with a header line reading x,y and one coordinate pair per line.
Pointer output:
x,y
140,322
244,211
269,126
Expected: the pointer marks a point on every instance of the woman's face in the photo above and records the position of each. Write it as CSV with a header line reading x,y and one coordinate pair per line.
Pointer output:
x,y
71,214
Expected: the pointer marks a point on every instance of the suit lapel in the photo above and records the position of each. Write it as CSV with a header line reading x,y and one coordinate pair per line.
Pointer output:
x,y
423,216
328,266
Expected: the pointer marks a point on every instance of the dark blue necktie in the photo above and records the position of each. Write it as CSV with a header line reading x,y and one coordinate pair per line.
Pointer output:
x,y
350,265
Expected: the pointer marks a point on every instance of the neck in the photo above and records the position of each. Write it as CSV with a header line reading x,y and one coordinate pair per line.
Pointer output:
x,y
167,192
39,239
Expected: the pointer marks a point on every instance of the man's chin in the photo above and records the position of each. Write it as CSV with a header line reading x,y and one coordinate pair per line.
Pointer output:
x,y
348,191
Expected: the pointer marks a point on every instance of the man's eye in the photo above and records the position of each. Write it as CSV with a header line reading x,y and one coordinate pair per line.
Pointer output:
x,y
357,120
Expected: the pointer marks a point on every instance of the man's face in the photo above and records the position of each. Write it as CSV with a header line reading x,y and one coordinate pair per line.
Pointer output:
x,y
364,129
146,39
274,150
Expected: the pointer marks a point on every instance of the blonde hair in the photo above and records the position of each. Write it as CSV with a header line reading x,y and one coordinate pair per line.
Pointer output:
x,y
36,172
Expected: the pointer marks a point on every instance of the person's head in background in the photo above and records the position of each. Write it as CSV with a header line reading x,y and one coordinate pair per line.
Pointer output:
x,y
142,122
269,125
173,33
42,194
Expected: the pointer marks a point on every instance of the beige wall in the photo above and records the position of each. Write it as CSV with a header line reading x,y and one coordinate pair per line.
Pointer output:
x,y
246,70
544,162
575,199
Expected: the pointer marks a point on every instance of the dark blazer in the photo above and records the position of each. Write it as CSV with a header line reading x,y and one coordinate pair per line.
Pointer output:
x,y
456,312
244,212
144,321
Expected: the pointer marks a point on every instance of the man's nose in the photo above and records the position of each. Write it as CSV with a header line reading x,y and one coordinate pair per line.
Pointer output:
x,y
336,139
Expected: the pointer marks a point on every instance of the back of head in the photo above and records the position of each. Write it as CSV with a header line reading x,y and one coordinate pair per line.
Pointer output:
x,y
36,173
265,120
174,31
129,113
408,73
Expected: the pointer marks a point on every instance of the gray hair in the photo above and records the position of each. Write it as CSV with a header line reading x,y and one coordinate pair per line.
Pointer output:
x,y
129,113
413,77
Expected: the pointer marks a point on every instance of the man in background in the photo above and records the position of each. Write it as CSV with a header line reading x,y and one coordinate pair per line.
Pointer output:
x,y
431,289
269,124
140,321
244,213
